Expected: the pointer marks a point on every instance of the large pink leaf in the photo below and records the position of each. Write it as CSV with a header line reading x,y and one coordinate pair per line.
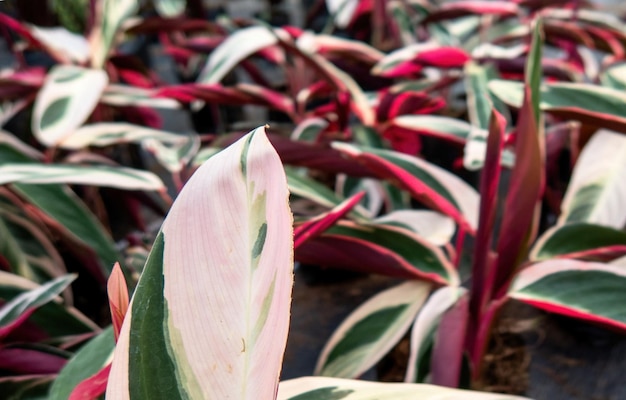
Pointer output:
x,y
210,314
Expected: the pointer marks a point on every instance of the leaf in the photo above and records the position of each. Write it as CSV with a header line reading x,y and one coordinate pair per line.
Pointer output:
x,y
425,325
432,185
314,227
520,220
595,105
597,191
52,318
473,7
108,133
84,363
236,48
369,332
210,315
110,15
614,76
117,177
431,225
589,291
323,388
67,98
342,11
26,387
70,46
452,129
76,221
378,248
21,307
173,157
479,106
579,240
117,291
170,8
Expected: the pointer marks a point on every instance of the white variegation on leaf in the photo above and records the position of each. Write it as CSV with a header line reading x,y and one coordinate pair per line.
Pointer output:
x,y
60,41
344,389
125,95
372,330
342,11
110,15
425,323
173,156
237,47
115,177
431,225
210,315
108,133
67,98
170,8
597,188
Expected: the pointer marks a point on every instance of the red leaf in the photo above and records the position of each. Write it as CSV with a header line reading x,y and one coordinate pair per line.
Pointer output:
x,y
316,226
447,356
520,219
463,8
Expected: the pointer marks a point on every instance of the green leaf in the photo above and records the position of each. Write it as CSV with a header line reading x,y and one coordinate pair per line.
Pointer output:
x,y
585,290
372,330
83,364
575,238
14,309
63,206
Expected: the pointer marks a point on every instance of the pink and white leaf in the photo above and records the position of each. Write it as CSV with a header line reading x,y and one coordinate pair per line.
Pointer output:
x,y
433,226
213,299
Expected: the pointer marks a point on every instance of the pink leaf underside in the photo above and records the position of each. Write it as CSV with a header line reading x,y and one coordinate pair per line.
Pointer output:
x,y
384,169
447,356
118,298
460,9
346,252
26,361
316,226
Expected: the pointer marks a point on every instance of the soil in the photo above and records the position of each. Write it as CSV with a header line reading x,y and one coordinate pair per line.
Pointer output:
x,y
532,353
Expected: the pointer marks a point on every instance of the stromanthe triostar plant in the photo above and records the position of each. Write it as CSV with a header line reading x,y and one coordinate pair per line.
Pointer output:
x,y
210,314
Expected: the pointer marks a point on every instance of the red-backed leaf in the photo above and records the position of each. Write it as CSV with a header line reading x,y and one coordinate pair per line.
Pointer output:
x,y
489,181
25,361
433,186
377,248
316,226
447,356
521,210
474,7
555,286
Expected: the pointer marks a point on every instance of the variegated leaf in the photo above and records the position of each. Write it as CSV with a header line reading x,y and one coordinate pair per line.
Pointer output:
x,y
117,177
372,330
210,315
342,11
586,290
597,188
237,47
425,324
110,15
431,225
319,388
68,45
170,8
108,133
66,100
